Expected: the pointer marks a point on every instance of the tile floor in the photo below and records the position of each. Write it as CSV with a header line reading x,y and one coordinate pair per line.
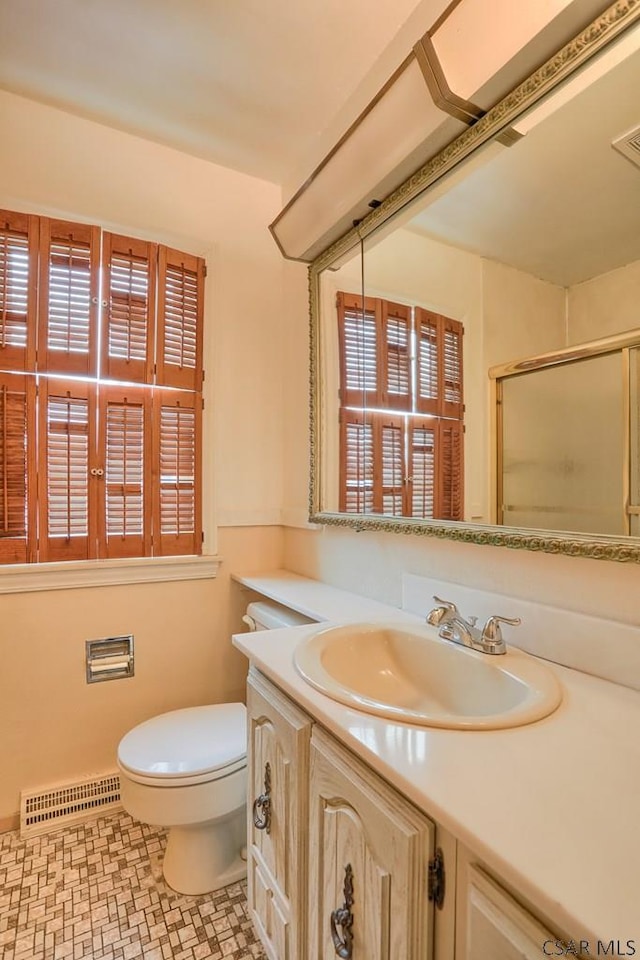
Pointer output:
x,y
95,890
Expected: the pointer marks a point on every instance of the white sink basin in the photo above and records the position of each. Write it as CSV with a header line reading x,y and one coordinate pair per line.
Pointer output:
x,y
409,673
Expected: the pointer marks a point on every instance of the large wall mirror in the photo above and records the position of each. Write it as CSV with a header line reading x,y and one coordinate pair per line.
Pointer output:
x,y
490,257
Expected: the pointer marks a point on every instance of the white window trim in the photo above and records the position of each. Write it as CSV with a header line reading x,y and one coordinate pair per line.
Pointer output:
x,y
72,574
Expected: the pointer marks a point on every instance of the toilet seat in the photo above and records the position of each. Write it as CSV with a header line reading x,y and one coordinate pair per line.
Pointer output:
x,y
185,747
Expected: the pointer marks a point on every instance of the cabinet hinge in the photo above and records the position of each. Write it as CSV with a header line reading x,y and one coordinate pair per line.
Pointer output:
x,y
436,880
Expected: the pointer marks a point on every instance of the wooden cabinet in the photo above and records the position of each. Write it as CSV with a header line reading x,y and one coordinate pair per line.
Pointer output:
x,y
339,862
491,923
369,853
277,810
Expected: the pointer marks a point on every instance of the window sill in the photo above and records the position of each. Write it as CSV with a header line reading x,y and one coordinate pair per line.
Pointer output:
x,y
31,577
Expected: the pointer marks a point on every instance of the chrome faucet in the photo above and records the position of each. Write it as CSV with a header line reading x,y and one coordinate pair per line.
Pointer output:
x,y
454,627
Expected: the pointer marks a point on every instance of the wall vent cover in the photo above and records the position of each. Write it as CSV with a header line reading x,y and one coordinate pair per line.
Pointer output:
x,y
629,145
43,811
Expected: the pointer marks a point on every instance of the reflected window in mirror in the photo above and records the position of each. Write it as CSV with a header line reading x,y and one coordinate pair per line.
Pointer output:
x,y
401,409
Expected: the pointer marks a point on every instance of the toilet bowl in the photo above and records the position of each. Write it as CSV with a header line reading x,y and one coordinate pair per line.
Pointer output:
x,y
186,770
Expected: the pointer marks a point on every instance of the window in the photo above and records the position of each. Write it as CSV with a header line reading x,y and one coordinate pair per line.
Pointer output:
x,y
401,410
100,394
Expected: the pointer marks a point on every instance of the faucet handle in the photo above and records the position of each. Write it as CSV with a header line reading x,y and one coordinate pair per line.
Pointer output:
x,y
447,604
444,612
492,633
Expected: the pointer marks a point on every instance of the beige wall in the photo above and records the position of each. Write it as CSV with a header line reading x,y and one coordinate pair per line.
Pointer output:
x,y
66,166
53,726
605,305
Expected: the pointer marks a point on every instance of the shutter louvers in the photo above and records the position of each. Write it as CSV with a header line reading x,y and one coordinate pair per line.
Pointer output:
x,y
422,468
18,270
428,386
180,319
359,332
177,513
450,505
69,280
17,474
356,462
129,277
396,325
393,466
125,511
67,445
452,399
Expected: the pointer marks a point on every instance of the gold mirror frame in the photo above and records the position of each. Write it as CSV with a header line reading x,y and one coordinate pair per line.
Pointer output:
x,y
604,29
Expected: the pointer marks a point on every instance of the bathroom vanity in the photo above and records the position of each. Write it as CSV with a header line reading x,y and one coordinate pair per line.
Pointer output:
x,y
373,838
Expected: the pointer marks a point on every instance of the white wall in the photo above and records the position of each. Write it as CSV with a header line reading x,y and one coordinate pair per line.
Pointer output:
x,y
53,727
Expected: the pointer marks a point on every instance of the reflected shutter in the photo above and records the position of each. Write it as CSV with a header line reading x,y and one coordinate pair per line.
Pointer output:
x,y
396,329
67,493
18,275
450,504
356,462
360,356
422,468
125,492
69,281
390,491
17,471
451,391
428,369
177,459
129,278
180,319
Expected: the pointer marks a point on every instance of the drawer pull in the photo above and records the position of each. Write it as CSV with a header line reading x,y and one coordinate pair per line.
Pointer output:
x,y
262,806
342,917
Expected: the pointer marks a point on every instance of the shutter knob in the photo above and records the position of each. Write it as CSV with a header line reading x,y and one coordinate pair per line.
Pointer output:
x,y
96,472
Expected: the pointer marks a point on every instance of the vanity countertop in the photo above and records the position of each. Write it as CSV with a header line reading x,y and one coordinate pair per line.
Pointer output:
x,y
551,807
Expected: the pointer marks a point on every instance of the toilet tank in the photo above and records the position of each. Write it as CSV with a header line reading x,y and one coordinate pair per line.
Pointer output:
x,y
269,615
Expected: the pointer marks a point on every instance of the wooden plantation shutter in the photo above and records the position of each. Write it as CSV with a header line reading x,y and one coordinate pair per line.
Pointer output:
x,y
356,461
180,319
439,373
451,391
360,356
18,275
129,277
98,461
422,468
67,488
17,468
125,486
69,280
429,365
389,488
177,466
450,501
396,355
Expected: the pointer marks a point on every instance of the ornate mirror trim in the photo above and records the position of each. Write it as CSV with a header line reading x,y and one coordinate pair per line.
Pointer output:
x,y
607,27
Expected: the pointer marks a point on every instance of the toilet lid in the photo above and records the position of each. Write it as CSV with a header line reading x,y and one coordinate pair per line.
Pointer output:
x,y
186,743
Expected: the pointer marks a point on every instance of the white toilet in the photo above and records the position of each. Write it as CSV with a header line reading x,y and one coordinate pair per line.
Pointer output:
x,y
187,770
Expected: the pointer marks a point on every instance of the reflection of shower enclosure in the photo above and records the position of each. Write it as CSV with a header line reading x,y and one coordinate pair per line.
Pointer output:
x,y
568,439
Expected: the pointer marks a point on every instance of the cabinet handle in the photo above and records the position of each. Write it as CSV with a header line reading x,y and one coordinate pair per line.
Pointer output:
x,y
263,804
342,917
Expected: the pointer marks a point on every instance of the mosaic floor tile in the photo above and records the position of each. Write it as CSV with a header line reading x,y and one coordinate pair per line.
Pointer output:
x,y
95,892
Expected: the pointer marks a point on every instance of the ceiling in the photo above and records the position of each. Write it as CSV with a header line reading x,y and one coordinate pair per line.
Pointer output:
x,y
560,203
243,83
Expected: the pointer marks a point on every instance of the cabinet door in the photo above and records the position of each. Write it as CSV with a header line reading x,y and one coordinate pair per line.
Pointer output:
x,y
277,808
369,852
490,923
